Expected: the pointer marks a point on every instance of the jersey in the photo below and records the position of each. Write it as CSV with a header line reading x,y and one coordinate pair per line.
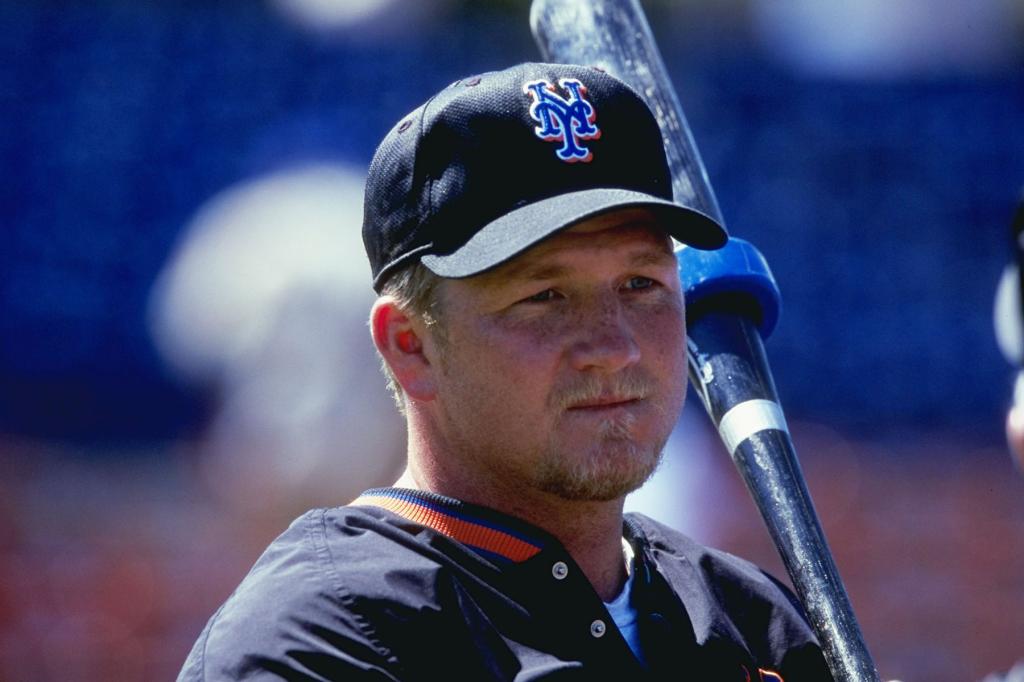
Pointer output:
x,y
408,585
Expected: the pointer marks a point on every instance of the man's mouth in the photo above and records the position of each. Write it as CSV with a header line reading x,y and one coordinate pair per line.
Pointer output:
x,y
605,403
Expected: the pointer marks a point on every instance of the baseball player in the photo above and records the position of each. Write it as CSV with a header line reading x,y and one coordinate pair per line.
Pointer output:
x,y
1009,328
519,228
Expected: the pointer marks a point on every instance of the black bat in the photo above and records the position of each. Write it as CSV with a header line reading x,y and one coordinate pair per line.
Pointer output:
x,y
728,365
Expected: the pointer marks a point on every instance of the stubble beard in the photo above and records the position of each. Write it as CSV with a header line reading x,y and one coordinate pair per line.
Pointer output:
x,y
616,462
616,466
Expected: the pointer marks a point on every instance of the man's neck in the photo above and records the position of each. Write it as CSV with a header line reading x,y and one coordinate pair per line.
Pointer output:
x,y
590,531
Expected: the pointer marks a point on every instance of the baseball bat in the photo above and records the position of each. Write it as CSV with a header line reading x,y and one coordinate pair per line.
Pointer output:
x,y
728,365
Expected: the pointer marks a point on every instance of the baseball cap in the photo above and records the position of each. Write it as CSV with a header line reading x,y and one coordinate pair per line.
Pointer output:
x,y
495,163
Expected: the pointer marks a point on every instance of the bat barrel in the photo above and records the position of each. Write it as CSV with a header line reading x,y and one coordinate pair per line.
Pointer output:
x,y
615,36
730,370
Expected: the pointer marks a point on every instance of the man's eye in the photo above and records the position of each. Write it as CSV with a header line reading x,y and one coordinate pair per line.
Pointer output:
x,y
541,296
639,283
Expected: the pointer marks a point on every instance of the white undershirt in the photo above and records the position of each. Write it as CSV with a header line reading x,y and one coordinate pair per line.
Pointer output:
x,y
621,608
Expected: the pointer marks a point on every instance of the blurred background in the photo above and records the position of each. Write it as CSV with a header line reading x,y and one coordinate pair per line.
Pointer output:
x,y
184,359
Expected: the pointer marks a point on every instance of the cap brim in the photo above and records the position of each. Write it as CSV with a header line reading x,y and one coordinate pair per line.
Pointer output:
x,y
520,229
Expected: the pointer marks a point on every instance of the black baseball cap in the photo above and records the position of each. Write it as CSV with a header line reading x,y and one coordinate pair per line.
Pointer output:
x,y
495,163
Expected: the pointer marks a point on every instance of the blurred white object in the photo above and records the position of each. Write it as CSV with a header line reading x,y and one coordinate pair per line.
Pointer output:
x,y
247,252
687,489
1014,675
1007,316
883,39
333,13
267,298
359,18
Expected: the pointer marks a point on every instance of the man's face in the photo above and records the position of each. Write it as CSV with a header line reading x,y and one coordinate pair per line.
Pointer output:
x,y
564,369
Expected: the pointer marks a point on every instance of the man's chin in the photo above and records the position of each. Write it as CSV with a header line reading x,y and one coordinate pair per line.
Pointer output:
x,y
595,491
609,478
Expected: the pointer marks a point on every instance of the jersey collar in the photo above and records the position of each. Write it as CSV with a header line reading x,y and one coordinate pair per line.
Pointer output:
x,y
486,531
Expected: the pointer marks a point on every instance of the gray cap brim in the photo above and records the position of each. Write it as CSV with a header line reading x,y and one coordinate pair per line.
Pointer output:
x,y
520,229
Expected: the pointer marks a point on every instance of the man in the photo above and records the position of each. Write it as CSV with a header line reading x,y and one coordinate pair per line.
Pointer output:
x,y
1009,329
530,319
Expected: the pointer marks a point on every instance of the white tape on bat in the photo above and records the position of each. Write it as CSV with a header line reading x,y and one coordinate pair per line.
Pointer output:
x,y
748,418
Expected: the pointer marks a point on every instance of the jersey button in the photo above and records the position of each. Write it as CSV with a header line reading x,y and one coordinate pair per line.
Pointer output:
x,y
598,628
559,570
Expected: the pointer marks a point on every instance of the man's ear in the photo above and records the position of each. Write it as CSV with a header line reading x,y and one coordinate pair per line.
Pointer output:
x,y
399,339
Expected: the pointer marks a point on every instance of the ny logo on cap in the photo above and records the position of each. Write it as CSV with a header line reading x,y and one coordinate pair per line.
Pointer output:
x,y
563,120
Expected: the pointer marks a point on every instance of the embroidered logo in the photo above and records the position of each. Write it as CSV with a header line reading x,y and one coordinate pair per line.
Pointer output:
x,y
566,120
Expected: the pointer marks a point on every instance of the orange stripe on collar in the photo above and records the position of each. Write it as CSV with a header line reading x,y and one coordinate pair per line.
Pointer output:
x,y
472,532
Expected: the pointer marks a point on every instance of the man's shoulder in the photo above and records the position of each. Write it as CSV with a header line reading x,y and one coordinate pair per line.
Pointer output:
x,y
314,581
330,557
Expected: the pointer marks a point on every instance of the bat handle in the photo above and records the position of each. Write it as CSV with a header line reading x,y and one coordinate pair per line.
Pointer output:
x,y
730,370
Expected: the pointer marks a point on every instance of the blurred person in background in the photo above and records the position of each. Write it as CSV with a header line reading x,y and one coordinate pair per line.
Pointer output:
x,y
1015,438
1009,327
1015,433
520,228
1008,316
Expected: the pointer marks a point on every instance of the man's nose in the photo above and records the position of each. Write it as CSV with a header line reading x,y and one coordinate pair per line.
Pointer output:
x,y
606,341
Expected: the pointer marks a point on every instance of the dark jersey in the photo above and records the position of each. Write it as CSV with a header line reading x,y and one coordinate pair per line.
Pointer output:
x,y
405,585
